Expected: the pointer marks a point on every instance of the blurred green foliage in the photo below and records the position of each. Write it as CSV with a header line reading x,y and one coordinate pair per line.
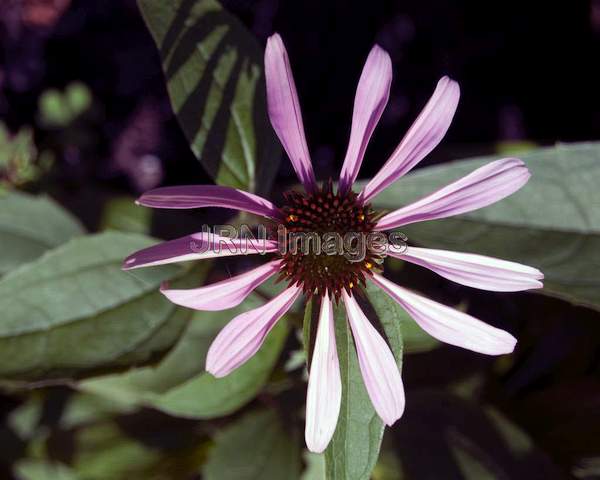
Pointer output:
x,y
31,225
122,214
274,452
19,160
58,109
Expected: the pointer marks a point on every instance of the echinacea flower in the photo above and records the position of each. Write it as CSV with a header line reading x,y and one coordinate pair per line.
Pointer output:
x,y
334,278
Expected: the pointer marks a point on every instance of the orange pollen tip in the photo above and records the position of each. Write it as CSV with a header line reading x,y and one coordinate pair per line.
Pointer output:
x,y
369,265
351,284
361,217
292,218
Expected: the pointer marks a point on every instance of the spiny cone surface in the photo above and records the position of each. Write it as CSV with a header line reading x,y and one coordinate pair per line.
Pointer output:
x,y
316,216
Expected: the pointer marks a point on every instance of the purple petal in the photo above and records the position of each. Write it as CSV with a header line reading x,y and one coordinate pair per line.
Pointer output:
x,y
324,394
284,110
484,186
371,98
226,294
242,337
198,196
377,365
476,271
426,132
449,325
197,246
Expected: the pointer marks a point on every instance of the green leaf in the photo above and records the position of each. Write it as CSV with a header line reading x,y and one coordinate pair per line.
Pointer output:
x,y
102,451
353,451
58,109
74,309
416,340
315,466
85,409
309,329
222,396
97,440
20,163
140,446
54,109
213,67
180,386
24,419
33,469
122,214
256,446
29,226
79,98
552,223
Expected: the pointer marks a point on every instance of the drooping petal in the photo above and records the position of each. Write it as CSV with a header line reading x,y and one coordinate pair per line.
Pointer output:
x,y
447,324
324,394
423,136
225,294
371,98
377,365
284,110
478,271
198,196
482,187
242,337
197,246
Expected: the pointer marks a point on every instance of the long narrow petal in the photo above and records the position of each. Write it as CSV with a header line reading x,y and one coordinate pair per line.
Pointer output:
x,y
423,136
449,325
478,271
198,196
242,337
197,246
377,365
225,294
284,110
482,187
371,98
324,394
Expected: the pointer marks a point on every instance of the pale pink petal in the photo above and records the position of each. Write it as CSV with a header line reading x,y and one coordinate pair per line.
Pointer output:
x,y
242,337
225,294
476,271
197,246
482,187
449,325
284,110
371,98
198,196
423,136
377,364
324,394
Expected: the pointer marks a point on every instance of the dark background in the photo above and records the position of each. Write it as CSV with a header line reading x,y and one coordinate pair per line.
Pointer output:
x,y
527,71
